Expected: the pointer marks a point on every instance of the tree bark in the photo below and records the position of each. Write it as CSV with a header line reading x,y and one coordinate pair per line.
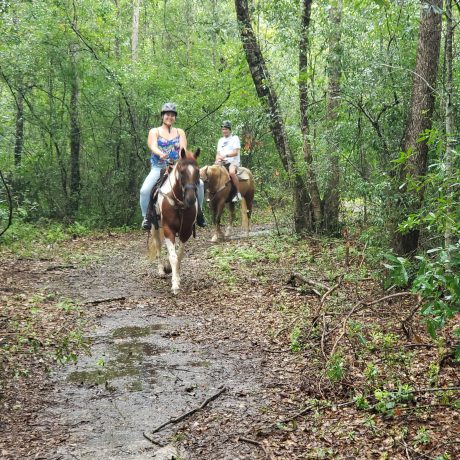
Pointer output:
x,y
135,32
332,195
19,134
75,181
311,180
418,122
449,114
269,99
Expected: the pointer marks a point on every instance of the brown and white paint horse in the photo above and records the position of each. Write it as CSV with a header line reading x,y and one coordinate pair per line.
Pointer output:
x,y
218,185
177,205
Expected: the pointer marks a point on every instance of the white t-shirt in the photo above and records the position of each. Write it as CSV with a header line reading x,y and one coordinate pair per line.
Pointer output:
x,y
227,145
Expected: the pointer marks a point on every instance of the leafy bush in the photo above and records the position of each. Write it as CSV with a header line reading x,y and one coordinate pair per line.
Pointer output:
x,y
436,277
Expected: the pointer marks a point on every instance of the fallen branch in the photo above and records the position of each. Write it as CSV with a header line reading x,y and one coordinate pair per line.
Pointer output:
x,y
152,440
59,267
329,292
361,306
96,302
256,443
173,421
311,408
302,278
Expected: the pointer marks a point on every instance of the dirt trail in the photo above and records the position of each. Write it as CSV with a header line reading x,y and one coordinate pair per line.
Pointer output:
x,y
155,357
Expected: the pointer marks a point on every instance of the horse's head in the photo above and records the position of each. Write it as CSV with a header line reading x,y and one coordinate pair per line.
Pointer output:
x,y
188,176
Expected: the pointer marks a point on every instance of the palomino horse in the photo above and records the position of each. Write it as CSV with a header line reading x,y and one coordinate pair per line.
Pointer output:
x,y
177,206
218,184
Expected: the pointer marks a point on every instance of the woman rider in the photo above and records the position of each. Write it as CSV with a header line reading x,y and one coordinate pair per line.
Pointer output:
x,y
165,144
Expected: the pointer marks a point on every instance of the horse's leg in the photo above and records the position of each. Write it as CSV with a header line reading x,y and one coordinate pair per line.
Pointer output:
x,y
174,261
217,213
246,207
180,255
245,215
231,218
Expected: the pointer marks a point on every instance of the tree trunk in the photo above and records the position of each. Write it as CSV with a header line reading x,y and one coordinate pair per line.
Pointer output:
x,y
311,180
332,195
449,122
269,100
75,184
418,122
135,32
19,134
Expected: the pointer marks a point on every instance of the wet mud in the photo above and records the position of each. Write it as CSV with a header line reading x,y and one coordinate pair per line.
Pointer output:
x,y
142,368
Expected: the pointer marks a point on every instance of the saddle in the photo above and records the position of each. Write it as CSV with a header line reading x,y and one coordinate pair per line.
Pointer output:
x,y
242,175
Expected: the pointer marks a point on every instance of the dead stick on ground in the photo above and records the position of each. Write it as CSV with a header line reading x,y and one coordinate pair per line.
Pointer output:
x,y
173,421
256,443
364,305
95,302
309,282
310,408
329,292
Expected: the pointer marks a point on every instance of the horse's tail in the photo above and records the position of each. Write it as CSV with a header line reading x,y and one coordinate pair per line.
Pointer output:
x,y
154,243
245,216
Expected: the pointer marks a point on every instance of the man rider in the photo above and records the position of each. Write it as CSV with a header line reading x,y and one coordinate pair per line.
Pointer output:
x,y
228,154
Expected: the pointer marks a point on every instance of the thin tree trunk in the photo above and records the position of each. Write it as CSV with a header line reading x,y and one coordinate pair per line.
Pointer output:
x,y
135,32
332,195
19,134
311,180
269,99
418,122
75,183
450,140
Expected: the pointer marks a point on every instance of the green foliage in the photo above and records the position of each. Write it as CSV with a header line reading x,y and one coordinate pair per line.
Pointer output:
x,y
435,276
296,339
335,370
438,282
387,400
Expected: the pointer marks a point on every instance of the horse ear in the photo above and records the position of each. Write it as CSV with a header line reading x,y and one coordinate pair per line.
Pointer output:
x,y
183,154
197,153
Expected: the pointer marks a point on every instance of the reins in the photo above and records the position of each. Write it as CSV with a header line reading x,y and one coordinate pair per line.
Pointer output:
x,y
222,187
174,201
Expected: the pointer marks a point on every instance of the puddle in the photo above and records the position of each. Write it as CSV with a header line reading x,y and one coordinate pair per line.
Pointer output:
x,y
146,378
136,331
206,364
128,361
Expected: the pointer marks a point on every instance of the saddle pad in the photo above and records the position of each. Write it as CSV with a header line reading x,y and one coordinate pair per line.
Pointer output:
x,y
242,173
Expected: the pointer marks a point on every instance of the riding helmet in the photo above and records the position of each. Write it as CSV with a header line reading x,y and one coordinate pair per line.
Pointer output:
x,y
169,107
226,124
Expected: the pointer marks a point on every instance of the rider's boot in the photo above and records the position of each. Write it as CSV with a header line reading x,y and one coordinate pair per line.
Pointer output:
x,y
200,218
146,224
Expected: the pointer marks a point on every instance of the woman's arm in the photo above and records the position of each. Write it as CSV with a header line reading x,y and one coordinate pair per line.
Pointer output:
x,y
182,139
152,143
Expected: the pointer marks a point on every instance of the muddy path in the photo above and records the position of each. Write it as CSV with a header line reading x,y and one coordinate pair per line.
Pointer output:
x,y
253,329
153,357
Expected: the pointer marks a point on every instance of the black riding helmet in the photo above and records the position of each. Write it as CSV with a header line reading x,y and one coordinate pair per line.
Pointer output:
x,y
169,107
226,124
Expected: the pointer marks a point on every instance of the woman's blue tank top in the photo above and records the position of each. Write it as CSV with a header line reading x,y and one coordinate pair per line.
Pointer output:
x,y
171,147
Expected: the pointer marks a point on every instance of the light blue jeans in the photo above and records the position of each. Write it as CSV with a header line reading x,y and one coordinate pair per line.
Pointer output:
x,y
151,180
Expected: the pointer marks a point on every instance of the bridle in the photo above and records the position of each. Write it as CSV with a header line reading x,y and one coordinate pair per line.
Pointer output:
x,y
174,201
222,187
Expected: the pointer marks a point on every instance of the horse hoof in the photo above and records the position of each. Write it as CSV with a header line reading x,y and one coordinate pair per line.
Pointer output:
x,y
175,291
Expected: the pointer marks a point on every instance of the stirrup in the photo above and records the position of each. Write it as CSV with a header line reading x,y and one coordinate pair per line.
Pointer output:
x,y
237,197
146,224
